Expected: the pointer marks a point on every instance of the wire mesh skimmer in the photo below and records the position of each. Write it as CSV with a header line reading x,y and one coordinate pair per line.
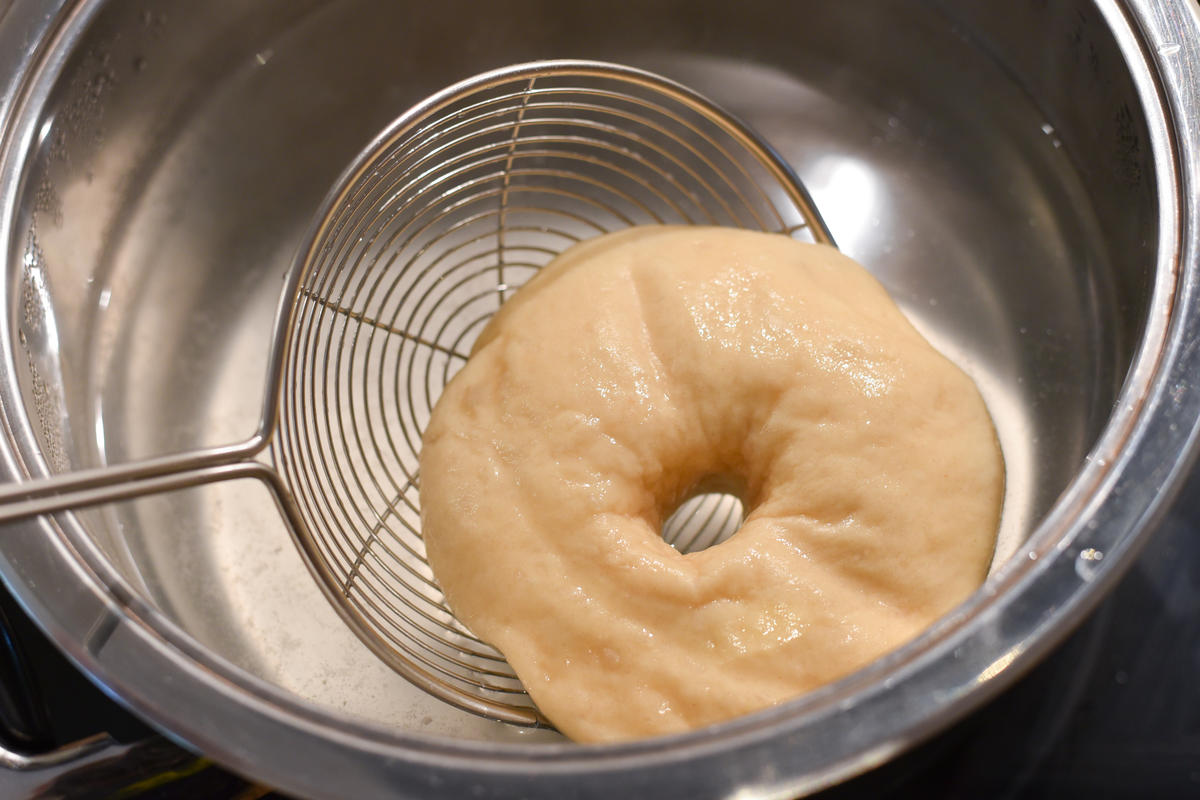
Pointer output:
x,y
450,210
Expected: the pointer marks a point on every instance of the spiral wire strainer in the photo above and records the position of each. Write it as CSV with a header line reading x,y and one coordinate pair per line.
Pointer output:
x,y
440,219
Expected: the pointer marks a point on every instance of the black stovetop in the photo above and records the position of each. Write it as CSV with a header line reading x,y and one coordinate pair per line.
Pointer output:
x,y
1113,712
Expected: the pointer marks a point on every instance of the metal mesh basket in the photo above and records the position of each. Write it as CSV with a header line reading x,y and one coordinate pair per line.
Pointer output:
x,y
447,216
435,225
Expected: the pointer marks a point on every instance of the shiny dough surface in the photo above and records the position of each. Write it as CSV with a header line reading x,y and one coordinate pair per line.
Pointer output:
x,y
642,363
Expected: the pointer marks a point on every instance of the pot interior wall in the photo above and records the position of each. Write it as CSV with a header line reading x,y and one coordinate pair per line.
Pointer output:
x,y
990,168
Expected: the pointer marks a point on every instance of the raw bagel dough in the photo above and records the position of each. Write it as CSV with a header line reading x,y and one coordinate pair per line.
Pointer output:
x,y
642,362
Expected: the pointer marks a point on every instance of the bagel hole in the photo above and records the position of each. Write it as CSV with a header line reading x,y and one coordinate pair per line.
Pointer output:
x,y
703,520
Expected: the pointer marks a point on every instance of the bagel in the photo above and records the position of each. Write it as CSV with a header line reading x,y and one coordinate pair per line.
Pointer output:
x,y
641,364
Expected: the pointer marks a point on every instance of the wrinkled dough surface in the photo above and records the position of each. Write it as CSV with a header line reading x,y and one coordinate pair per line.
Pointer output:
x,y
642,362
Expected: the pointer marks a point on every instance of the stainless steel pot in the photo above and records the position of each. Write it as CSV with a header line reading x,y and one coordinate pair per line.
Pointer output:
x,y
1021,175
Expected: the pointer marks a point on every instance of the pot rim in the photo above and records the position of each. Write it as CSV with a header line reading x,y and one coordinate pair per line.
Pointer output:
x,y
148,663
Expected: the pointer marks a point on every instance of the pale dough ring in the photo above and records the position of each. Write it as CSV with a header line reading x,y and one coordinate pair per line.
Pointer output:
x,y
634,366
